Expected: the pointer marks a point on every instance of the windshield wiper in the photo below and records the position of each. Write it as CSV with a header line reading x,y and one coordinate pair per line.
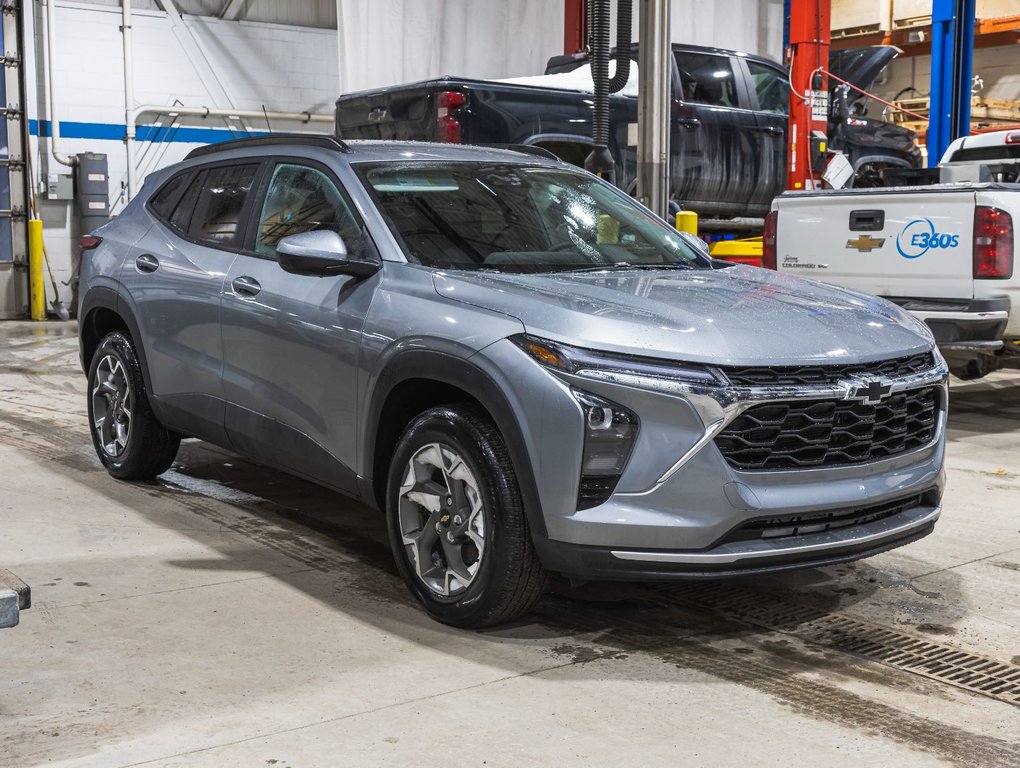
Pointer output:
x,y
625,265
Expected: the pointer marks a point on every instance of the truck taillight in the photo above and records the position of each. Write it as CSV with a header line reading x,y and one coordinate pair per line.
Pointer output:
x,y
768,240
447,125
993,244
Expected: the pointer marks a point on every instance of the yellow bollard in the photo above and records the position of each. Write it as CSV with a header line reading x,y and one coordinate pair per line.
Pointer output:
x,y
36,281
687,221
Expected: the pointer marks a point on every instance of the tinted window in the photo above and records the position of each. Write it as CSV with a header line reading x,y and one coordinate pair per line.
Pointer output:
x,y
163,201
182,212
512,218
707,79
302,199
773,88
217,216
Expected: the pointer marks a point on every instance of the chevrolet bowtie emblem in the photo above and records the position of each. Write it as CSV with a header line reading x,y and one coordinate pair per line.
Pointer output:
x,y
865,243
870,393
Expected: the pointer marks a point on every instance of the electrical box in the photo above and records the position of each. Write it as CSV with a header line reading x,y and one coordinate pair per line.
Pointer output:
x,y
93,190
59,186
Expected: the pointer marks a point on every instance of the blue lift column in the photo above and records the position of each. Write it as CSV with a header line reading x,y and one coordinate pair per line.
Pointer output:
x,y
952,54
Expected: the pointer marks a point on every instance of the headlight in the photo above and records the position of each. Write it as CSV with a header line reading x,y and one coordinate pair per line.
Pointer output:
x,y
587,362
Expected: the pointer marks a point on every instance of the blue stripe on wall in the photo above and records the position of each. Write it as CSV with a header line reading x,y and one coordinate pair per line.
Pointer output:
x,y
155,133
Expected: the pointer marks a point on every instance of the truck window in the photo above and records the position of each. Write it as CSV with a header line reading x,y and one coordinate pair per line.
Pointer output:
x,y
772,87
707,79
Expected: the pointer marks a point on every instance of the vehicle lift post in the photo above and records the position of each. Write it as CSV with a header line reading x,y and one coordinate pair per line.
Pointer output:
x,y
952,55
808,55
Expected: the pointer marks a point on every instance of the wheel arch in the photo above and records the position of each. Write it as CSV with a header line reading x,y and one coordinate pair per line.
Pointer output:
x,y
416,380
102,313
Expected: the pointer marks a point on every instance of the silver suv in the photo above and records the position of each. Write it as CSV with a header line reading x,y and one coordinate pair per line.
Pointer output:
x,y
525,369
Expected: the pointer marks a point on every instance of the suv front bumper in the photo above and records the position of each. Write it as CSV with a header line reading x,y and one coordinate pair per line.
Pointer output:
x,y
679,501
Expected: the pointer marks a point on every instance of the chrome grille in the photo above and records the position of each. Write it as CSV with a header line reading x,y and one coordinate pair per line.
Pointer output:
x,y
754,376
822,433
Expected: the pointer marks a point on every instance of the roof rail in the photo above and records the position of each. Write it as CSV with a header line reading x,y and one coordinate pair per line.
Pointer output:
x,y
323,140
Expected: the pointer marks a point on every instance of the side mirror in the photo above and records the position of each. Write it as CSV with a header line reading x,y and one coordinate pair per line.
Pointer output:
x,y
320,253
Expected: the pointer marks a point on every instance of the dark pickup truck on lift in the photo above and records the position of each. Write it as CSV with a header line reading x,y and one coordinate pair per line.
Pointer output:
x,y
728,137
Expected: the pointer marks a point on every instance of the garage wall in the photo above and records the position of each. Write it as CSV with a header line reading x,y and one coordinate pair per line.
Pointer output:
x,y
239,67
997,67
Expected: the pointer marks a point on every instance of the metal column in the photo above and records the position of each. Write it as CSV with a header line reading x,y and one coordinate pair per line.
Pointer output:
x,y
952,54
654,105
13,178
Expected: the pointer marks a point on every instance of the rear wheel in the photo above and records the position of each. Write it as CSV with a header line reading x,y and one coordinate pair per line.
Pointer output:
x,y
457,524
129,440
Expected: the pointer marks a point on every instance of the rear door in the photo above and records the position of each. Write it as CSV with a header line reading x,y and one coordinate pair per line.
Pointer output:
x,y
769,89
174,284
718,168
291,342
898,245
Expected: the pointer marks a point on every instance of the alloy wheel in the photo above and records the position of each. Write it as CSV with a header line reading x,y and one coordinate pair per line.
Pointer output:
x,y
111,406
442,524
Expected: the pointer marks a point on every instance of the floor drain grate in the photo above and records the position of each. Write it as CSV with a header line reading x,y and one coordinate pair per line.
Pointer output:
x,y
896,649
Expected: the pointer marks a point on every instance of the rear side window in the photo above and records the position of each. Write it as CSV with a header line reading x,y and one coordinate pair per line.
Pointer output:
x,y
163,202
707,79
220,202
771,87
181,216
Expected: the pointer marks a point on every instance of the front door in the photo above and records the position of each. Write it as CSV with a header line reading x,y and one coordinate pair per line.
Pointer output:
x,y
291,342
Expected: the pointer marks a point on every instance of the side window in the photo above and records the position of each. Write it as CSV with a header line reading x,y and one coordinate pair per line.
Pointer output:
x,y
772,88
181,216
217,216
163,202
302,199
707,79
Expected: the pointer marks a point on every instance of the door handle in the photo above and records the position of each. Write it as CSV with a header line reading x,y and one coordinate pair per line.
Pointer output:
x,y
689,122
771,130
147,263
245,286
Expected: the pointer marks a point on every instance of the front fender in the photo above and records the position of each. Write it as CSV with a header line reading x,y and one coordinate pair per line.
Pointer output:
x,y
450,368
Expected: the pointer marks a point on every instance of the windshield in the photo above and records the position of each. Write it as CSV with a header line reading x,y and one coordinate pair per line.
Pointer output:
x,y
514,218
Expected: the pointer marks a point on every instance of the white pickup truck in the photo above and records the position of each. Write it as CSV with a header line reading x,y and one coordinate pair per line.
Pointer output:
x,y
944,251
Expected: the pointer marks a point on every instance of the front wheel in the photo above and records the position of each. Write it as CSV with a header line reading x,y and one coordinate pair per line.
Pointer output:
x,y
128,438
457,524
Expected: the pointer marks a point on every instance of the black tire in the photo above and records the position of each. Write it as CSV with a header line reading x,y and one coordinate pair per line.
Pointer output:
x,y
510,578
149,448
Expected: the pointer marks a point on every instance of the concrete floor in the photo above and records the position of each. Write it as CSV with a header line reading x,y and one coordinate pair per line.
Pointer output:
x,y
230,615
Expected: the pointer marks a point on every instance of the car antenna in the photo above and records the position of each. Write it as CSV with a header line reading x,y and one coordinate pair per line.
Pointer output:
x,y
267,118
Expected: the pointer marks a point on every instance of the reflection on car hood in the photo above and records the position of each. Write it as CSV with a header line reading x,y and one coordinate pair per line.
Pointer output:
x,y
736,316
860,66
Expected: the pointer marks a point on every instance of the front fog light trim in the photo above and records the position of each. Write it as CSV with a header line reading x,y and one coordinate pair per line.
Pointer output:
x,y
610,432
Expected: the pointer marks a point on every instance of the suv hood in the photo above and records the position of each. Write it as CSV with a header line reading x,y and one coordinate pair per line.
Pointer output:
x,y
861,66
735,316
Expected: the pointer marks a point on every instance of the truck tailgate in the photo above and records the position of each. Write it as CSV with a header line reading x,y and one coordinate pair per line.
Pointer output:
x,y
915,243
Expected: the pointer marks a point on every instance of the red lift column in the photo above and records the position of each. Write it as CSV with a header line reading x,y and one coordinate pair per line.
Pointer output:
x,y
810,35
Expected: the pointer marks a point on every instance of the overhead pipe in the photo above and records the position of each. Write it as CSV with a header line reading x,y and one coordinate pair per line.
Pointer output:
x,y
600,161
165,109
129,96
51,42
